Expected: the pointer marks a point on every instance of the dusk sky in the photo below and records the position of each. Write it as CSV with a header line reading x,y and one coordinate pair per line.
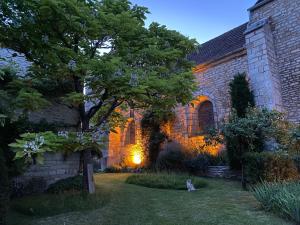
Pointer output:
x,y
200,19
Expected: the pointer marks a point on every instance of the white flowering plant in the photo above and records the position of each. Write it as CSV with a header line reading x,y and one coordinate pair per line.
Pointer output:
x,y
32,146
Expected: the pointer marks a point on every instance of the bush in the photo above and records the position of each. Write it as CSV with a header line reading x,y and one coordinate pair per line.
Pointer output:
x,y
241,95
198,165
297,162
113,169
249,133
164,181
171,158
269,166
66,185
281,198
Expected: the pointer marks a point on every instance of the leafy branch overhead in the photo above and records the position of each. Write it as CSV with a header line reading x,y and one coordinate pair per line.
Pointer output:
x,y
101,47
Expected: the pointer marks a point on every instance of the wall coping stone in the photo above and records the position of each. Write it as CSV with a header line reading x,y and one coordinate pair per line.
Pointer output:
x,y
257,25
258,5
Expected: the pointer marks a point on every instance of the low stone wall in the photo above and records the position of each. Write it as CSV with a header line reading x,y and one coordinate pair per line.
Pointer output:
x,y
54,168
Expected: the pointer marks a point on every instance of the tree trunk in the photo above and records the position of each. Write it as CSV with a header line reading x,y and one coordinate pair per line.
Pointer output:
x,y
88,179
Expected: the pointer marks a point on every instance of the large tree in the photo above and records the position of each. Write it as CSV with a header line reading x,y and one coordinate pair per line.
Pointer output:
x,y
103,51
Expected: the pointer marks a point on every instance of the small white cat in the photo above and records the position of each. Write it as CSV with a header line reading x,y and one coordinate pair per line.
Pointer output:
x,y
190,186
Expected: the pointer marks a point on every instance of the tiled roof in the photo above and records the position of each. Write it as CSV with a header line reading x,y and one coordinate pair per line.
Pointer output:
x,y
221,46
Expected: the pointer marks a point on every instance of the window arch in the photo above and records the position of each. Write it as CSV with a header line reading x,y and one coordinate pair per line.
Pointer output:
x,y
130,134
206,119
202,118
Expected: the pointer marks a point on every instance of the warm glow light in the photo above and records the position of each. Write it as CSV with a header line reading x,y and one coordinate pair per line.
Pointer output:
x,y
137,159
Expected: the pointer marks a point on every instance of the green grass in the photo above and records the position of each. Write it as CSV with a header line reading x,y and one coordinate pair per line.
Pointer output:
x,y
53,204
165,181
220,203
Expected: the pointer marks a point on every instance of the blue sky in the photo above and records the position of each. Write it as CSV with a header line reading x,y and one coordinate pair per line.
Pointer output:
x,y
200,19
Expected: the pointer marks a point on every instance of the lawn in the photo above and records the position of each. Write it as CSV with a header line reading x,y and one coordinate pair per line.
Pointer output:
x,y
221,202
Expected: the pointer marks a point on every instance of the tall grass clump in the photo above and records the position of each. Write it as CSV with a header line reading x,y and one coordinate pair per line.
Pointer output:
x,y
281,198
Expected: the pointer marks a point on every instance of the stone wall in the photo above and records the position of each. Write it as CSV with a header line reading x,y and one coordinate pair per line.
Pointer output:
x,y
57,113
262,64
55,167
285,28
213,85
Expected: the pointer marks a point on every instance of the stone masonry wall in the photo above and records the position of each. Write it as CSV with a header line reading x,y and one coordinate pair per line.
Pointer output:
x,y
285,28
55,167
213,85
262,64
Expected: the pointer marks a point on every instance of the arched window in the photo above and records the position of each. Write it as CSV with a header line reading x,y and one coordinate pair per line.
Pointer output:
x,y
130,134
206,119
202,119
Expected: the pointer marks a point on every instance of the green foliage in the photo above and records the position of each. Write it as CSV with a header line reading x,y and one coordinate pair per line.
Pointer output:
x,y
32,146
104,46
153,136
165,181
102,49
198,165
269,166
297,162
171,158
113,169
241,96
294,141
50,205
72,184
281,198
247,134
16,92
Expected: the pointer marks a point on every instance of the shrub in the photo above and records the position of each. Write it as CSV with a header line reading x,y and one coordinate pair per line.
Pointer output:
x,y
281,198
269,166
249,133
171,158
198,165
241,95
152,132
164,181
66,185
297,162
219,160
113,169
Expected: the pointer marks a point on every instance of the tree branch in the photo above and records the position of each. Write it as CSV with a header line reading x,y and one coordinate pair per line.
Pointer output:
x,y
114,105
93,110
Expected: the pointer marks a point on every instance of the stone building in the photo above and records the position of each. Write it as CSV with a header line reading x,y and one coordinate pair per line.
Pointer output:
x,y
266,49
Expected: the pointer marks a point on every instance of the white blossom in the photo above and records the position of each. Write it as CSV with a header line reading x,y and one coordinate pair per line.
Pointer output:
x,y
45,38
72,65
134,80
79,136
64,134
118,73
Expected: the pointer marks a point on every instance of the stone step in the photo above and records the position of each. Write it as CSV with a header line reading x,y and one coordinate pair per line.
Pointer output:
x,y
222,172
